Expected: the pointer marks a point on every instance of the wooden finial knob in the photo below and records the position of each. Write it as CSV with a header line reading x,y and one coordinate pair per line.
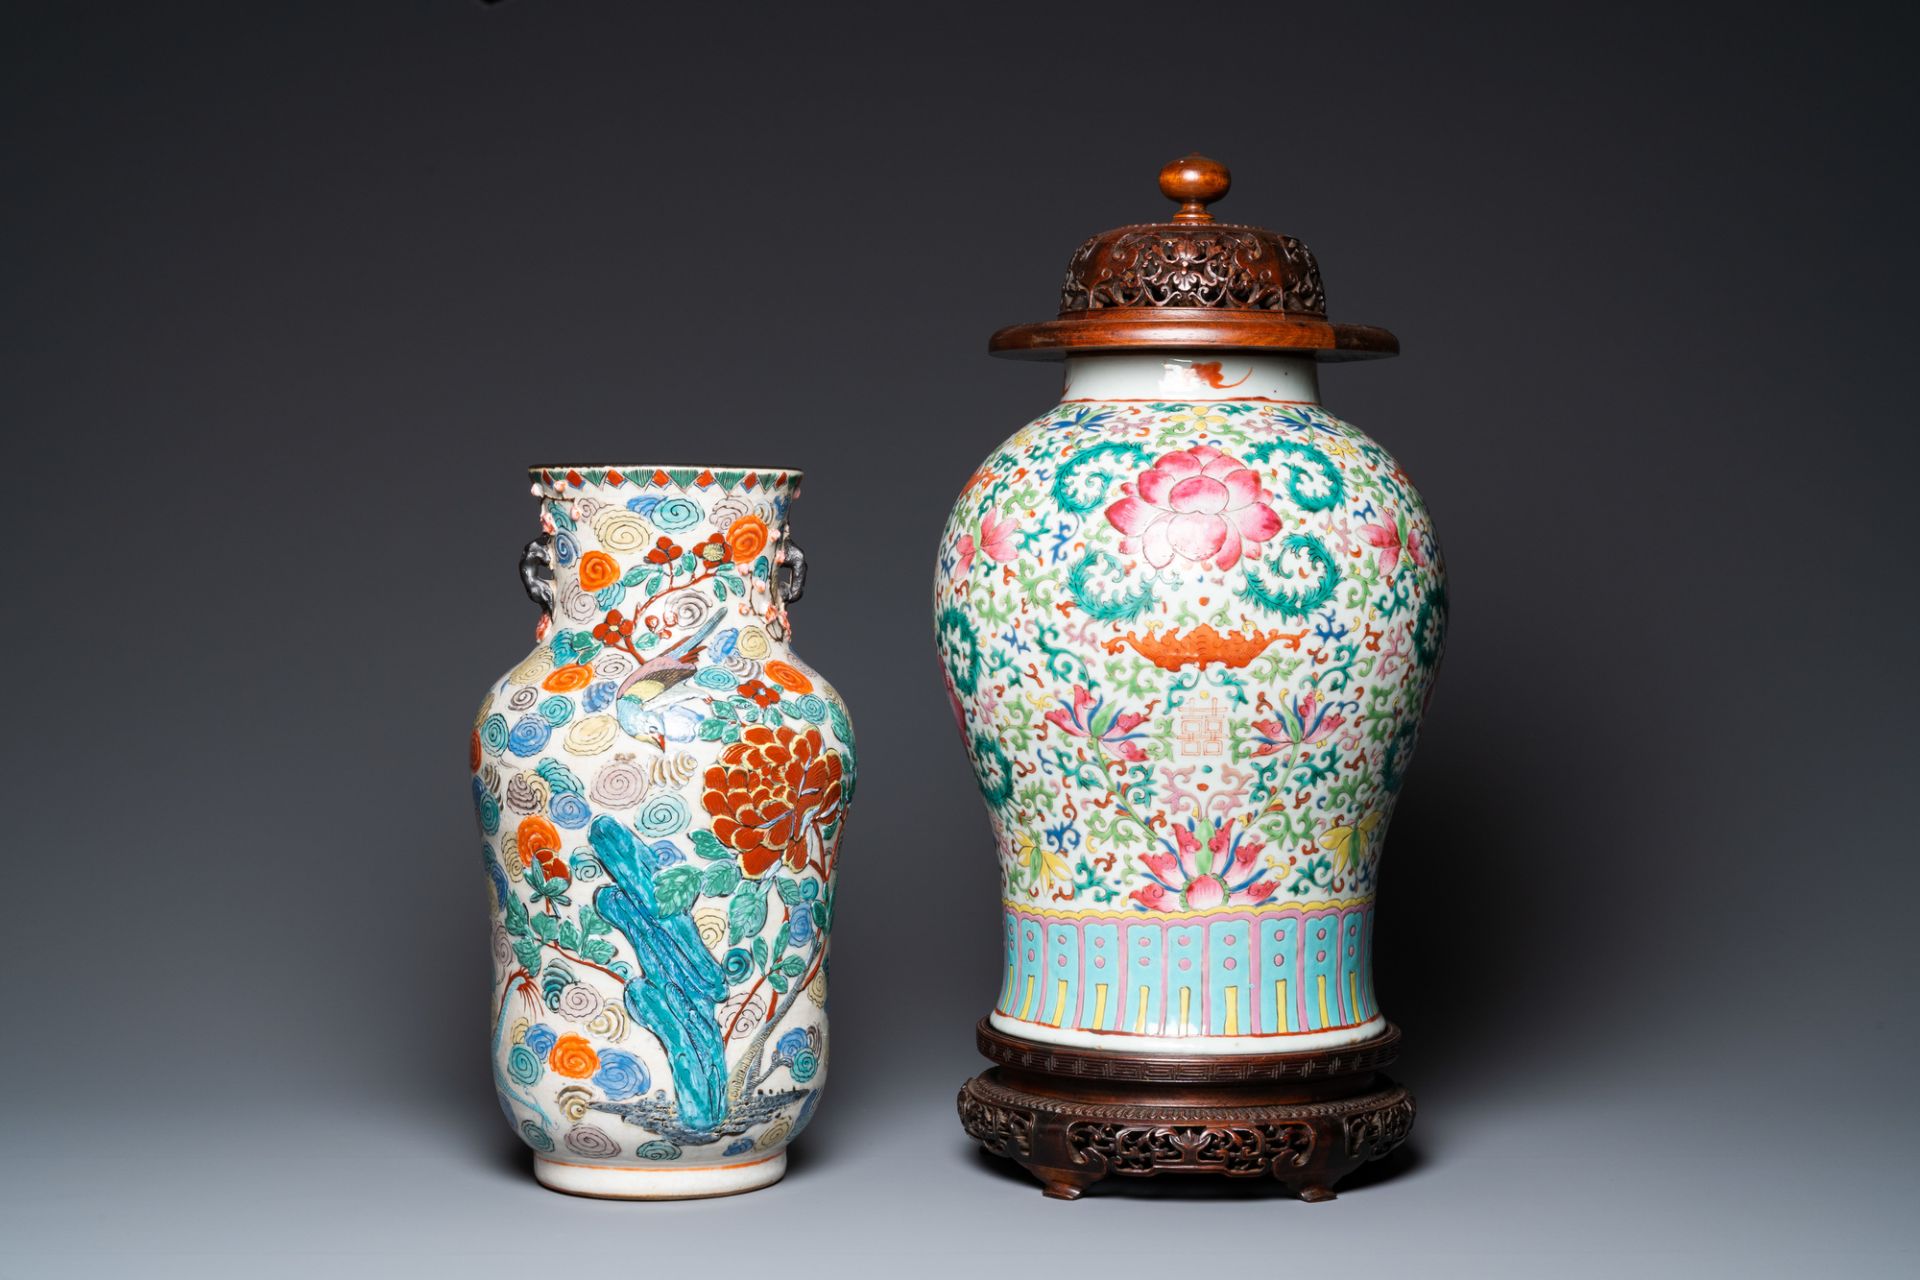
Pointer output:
x,y
1195,182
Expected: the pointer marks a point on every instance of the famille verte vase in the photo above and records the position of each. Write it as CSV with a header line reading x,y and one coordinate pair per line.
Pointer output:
x,y
661,787
1189,621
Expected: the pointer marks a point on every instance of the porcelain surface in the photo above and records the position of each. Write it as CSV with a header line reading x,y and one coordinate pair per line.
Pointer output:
x,y
661,788
1189,622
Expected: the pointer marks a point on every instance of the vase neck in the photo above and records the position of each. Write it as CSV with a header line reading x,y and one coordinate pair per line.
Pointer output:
x,y
644,541
1193,376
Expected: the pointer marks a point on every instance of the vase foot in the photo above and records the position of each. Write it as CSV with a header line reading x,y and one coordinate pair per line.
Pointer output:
x,y
658,1182
1072,1117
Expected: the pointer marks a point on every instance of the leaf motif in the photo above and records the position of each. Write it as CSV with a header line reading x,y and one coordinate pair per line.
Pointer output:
x,y
516,916
546,927
675,889
778,981
569,935
746,913
760,953
721,879
598,950
527,952
790,891
708,845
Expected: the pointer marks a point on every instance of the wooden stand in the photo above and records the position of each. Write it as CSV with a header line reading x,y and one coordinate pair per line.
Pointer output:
x,y
1074,1116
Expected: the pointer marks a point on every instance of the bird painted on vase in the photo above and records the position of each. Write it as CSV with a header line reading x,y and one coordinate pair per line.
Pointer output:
x,y
679,984
640,707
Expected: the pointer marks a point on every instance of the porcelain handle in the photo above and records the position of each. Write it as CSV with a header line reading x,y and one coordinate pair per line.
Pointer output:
x,y
795,566
536,566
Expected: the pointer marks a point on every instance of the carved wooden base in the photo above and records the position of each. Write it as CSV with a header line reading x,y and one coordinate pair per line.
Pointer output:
x,y
1074,1116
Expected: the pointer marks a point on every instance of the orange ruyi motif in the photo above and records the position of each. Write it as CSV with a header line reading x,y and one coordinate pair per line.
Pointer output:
x,y
1203,646
573,1057
597,570
771,793
788,676
746,538
568,678
539,842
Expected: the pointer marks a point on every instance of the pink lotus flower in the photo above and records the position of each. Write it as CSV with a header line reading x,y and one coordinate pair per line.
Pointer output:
x,y
996,538
1113,729
1198,504
1207,867
1302,724
1392,539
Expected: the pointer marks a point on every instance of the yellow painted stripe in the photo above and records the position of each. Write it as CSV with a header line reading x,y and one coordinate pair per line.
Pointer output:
x,y
1026,1006
1140,1021
1280,1002
1100,1005
1265,909
1060,1003
1353,997
1186,1002
1320,983
1233,1012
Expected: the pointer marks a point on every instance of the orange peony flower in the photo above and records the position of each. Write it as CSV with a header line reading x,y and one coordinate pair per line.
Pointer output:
x,y
573,1056
568,678
598,569
789,677
769,791
746,538
539,841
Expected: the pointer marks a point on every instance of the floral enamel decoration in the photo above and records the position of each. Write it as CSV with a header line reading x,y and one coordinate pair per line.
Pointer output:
x,y
1197,505
661,788
1189,692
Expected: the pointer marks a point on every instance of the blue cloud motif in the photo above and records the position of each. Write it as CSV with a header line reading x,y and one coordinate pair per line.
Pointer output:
x,y
569,810
621,1075
529,734
540,1038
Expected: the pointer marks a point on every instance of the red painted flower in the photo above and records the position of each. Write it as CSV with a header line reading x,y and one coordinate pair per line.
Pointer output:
x,y
769,794
1198,505
760,693
613,629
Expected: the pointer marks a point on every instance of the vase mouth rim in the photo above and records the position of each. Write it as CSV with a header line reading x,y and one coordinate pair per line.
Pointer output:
x,y
641,472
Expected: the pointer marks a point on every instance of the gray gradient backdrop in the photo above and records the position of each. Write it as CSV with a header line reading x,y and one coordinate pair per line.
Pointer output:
x,y
294,291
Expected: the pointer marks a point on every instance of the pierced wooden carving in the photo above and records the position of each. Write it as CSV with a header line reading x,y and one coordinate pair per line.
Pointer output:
x,y
1072,1117
1194,266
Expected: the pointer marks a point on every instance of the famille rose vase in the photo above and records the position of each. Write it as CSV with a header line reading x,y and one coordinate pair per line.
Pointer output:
x,y
1189,621
661,787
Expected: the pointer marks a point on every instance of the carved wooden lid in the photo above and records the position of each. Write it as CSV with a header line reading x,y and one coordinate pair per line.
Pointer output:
x,y
1193,282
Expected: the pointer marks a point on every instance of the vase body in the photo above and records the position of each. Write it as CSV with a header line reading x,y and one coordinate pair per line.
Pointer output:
x,y
1189,622
661,788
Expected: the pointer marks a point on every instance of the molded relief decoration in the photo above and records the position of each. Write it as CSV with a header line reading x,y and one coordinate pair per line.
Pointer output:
x,y
661,788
